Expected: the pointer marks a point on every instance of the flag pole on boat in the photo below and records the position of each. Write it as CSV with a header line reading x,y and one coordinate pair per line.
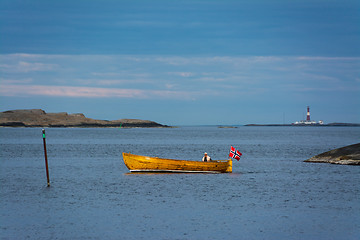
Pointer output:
x,y
46,161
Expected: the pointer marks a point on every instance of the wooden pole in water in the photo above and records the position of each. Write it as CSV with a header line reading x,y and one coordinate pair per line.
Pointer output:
x,y
46,161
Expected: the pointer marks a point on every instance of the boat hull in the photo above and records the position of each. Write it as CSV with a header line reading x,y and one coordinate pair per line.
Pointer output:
x,y
137,163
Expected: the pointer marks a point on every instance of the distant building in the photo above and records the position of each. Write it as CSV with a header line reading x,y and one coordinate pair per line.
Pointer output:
x,y
308,121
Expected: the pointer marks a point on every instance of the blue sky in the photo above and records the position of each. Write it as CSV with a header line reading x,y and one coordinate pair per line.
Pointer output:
x,y
183,62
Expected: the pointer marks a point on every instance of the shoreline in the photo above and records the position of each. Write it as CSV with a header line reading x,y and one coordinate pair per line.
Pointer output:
x,y
32,118
304,125
348,155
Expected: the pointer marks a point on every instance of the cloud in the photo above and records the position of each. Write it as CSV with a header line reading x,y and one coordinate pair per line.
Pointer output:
x,y
16,81
89,92
319,58
110,82
25,67
121,73
182,74
143,23
213,79
172,77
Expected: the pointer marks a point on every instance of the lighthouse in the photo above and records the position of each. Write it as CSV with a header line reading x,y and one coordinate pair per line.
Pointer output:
x,y
308,121
308,114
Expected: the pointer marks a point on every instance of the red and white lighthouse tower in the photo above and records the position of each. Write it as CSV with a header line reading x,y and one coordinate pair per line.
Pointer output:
x,y
308,121
308,114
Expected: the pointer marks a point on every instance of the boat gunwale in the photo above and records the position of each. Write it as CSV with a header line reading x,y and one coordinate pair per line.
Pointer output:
x,y
170,171
180,160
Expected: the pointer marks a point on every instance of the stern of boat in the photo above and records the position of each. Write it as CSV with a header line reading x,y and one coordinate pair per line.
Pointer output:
x,y
229,168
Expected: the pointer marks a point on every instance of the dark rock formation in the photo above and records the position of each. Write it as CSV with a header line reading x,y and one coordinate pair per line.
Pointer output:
x,y
344,124
39,118
349,155
304,125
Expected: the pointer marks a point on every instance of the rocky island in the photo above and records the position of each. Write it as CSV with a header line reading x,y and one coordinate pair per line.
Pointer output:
x,y
39,118
304,125
349,155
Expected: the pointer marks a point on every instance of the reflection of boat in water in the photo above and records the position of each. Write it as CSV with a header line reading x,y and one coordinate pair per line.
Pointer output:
x,y
137,163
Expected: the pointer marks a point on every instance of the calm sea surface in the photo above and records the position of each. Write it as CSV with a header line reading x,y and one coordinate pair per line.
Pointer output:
x,y
271,194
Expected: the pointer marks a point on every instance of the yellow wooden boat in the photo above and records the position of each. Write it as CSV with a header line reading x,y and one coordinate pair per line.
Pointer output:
x,y
137,163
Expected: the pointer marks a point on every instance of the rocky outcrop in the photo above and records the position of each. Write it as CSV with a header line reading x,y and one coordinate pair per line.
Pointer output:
x,y
349,155
304,125
39,118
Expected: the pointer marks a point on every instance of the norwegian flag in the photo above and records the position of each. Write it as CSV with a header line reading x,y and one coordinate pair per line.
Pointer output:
x,y
234,153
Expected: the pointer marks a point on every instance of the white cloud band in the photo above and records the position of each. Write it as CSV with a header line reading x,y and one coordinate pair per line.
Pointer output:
x,y
88,92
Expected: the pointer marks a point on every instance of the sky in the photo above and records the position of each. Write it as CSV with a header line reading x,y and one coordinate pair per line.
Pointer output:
x,y
189,62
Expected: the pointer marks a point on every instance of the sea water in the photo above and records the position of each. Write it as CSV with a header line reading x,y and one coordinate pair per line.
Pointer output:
x,y
271,194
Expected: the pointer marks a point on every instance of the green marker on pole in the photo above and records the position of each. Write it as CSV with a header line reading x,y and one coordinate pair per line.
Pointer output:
x,y
46,161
